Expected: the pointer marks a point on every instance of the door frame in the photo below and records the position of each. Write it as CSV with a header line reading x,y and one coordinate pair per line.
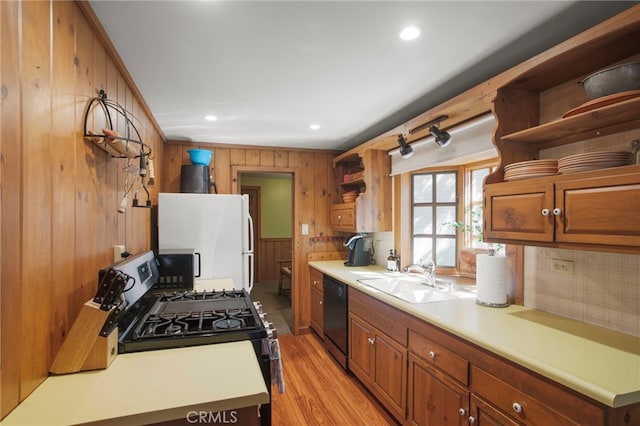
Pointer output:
x,y
236,185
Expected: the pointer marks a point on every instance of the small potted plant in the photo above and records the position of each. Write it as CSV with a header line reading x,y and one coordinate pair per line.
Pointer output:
x,y
474,243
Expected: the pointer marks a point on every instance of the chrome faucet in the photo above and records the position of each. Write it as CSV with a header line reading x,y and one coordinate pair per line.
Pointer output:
x,y
426,268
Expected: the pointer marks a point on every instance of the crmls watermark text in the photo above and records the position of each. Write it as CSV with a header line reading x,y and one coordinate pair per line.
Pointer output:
x,y
209,417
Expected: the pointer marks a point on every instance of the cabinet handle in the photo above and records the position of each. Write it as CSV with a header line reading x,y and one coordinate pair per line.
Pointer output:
x,y
557,211
432,355
321,302
472,419
517,407
339,217
462,411
371,341
545,212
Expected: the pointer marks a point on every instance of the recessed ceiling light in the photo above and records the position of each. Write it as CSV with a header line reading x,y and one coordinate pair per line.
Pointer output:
x,y
409,33
210,117
314,126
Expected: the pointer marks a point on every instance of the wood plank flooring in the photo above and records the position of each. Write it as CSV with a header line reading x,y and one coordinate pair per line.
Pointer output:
x,y
318,391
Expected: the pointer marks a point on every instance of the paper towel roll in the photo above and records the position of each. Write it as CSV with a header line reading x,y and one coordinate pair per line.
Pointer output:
x,y
491,280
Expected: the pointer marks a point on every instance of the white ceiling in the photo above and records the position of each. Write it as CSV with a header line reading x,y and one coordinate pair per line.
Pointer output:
x,y
269,69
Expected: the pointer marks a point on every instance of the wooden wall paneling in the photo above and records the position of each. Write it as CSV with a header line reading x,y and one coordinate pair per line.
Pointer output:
x,y
11,252
281,158
112,198
36,231
119,94
86,190
141,229
63,148
101,163
267,158
221,170
305,200
170,168
61,189
319,223
272,250
252,157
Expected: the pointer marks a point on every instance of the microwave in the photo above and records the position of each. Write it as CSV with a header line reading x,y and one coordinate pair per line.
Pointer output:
x,y
177,269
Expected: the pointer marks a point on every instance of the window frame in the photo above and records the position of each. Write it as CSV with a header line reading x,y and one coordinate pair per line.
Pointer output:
x,y
433,205
403,228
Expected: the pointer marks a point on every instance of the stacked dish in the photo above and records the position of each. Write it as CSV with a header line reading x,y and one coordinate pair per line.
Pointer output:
x,y
349,197
594,161
530,169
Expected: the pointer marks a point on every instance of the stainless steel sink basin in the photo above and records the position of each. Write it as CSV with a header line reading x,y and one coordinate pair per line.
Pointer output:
x,y
413,289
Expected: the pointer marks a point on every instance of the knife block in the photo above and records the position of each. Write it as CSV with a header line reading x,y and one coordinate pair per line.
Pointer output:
x,y
83,348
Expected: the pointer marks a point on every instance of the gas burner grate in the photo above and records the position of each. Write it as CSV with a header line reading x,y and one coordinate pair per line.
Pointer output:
x,y
201,295
195,323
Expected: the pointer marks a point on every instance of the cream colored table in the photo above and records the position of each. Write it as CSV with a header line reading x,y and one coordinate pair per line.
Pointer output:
x,y
150,387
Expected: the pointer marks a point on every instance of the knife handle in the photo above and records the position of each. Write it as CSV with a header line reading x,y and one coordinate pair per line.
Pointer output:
x,y
104,285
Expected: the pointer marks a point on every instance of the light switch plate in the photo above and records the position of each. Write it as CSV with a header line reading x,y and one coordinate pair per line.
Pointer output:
x,y
305,229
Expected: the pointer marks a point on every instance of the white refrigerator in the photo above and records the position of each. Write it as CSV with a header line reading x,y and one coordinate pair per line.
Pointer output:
x,y
217,226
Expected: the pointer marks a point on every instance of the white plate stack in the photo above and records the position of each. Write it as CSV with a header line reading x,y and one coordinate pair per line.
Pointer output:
x,y
594,161
530,169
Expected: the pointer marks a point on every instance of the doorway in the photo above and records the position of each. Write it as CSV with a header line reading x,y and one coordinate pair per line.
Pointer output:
x,y
271,207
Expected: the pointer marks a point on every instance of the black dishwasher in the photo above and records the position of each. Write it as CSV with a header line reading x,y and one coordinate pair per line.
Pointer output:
x,y
335,319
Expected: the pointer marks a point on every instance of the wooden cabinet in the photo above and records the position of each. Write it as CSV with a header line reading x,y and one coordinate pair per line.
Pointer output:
x,y
596,208
343,217
434,398
528,400
378,350
438,380
371,210
591,210
485,414
317,293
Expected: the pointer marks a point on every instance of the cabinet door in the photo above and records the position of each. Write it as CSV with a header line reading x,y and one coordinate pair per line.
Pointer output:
x,y
390,373
599,211
342,217
485,414
434,399
518,211
361,340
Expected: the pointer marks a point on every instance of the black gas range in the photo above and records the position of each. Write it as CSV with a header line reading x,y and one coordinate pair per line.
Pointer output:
x,y
178,319
150,319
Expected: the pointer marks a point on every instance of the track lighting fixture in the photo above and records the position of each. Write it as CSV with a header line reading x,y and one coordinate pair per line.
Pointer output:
x,y
442,137
405,149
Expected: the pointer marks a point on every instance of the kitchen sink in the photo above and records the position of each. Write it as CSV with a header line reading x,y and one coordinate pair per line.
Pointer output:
x,y
413,289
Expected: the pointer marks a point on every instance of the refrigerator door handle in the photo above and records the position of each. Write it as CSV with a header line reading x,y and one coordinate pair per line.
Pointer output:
x,y
250,255
250,234
197,255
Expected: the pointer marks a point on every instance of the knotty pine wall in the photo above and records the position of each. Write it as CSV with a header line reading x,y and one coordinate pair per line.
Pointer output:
x,y
59,193
314,189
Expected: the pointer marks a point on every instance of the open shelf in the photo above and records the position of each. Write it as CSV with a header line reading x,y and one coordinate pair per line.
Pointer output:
x,y
609,119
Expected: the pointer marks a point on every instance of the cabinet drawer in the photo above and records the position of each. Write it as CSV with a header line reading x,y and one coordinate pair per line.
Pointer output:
x,y
435,354
555,408
380,315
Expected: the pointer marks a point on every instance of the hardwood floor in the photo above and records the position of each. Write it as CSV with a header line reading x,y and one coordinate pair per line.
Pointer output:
x,y
318,391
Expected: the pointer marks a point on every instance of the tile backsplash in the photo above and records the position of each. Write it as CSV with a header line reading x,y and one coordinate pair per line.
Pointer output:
x,y
604,289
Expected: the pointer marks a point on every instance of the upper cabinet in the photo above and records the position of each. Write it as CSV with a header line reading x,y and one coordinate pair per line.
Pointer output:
x,y
364,187
541,109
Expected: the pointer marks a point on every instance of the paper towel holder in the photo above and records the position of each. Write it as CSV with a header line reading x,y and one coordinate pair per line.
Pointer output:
x,y
493,304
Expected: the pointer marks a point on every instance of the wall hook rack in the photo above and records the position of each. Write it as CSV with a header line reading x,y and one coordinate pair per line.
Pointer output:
x,y
129,145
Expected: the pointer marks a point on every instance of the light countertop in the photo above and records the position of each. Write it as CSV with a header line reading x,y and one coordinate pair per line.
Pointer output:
x,y
149,387
599,363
